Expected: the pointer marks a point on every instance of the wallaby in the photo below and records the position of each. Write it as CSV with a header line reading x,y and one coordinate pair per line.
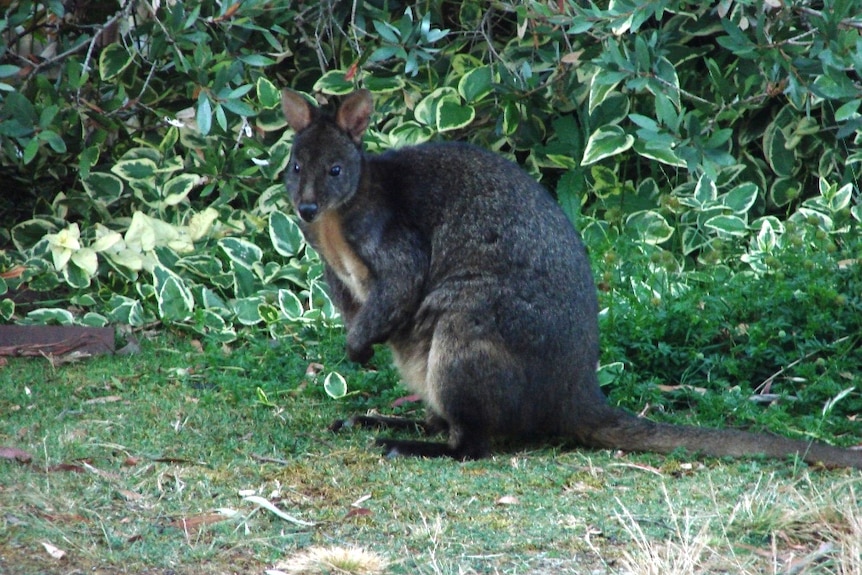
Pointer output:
x,y
470,271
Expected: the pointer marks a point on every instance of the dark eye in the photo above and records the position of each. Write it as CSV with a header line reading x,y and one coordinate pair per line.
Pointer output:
x,y
335,171
295,168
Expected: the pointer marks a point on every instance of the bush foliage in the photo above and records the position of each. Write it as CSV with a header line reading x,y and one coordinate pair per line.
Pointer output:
x,y
142,142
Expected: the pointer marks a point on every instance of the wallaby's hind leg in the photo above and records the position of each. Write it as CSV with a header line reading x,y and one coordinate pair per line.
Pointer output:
x,y
463,444
468,368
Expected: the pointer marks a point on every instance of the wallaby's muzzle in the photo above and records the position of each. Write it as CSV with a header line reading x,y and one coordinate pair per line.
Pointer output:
x,y
308,211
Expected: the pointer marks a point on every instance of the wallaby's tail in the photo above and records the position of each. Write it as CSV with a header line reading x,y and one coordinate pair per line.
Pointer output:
x,y
621,430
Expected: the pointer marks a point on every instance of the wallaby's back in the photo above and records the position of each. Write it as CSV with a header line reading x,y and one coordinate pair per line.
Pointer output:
x,y
481,286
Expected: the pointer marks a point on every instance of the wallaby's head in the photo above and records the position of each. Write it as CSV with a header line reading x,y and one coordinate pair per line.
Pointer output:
x,y
326,158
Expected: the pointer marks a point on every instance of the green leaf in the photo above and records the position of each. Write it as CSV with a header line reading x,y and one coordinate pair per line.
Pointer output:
x,y
177,189
7,70
848,111
28,233
659,153
766,237
175,301
727,225
258,60
670,85
383,85
649,226
452,115
780,159
51,316
334,82
86,160
511,118
290,305
140,169
93,319
841,198
835,85
204,114
103,188
113,60
476,84
54,140
705,192
247,310
605,142
740,198
267,94
7,309
241,251
286,237
239,108
335,385
784,191
320,301
125,310
410,133
30,150
425,111
601,84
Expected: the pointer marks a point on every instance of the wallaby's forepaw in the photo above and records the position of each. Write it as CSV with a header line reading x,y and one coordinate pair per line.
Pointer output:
x,y
339,424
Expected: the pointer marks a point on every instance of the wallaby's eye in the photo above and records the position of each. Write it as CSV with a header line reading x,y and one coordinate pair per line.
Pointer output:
x,y
335,171
295,168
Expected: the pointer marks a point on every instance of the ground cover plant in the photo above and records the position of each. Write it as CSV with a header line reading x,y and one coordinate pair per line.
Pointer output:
x,y
708,152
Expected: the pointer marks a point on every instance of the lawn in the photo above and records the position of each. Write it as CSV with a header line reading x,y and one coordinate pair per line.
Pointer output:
x,y
190,458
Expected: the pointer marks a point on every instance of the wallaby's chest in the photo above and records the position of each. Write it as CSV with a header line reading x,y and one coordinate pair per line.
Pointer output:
x,y
331,243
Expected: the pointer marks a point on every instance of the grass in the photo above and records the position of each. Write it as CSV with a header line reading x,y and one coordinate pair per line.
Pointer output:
x,y
142,464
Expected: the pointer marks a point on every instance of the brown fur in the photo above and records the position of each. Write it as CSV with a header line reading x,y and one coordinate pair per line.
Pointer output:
x,y
472,274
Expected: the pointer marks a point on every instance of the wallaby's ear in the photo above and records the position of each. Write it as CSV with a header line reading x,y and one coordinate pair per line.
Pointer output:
x,y
354,113
297,110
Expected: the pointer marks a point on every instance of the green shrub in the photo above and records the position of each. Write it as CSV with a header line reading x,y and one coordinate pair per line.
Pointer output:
x,y
146,146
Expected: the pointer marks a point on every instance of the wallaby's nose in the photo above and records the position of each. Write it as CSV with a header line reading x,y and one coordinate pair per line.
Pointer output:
x,y
307,211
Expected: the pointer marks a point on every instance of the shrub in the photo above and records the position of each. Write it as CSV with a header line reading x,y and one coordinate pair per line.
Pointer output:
x,y
146,139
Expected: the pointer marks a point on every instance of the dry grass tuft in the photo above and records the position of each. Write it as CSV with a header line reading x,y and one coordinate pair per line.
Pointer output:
x,y
803,529
333,561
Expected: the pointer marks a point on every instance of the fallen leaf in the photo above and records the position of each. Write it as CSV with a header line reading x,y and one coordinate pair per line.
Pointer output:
x,y
193,524
508,500
130,495
14,453
131,461
66,467
105,399
358,512
53,551
62,517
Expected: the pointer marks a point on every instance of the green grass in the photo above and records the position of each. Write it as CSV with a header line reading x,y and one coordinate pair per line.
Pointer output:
x,y
140,464
183,435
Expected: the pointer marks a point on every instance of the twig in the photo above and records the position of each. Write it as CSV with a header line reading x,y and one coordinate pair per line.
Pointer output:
x,y
767,383
264,459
